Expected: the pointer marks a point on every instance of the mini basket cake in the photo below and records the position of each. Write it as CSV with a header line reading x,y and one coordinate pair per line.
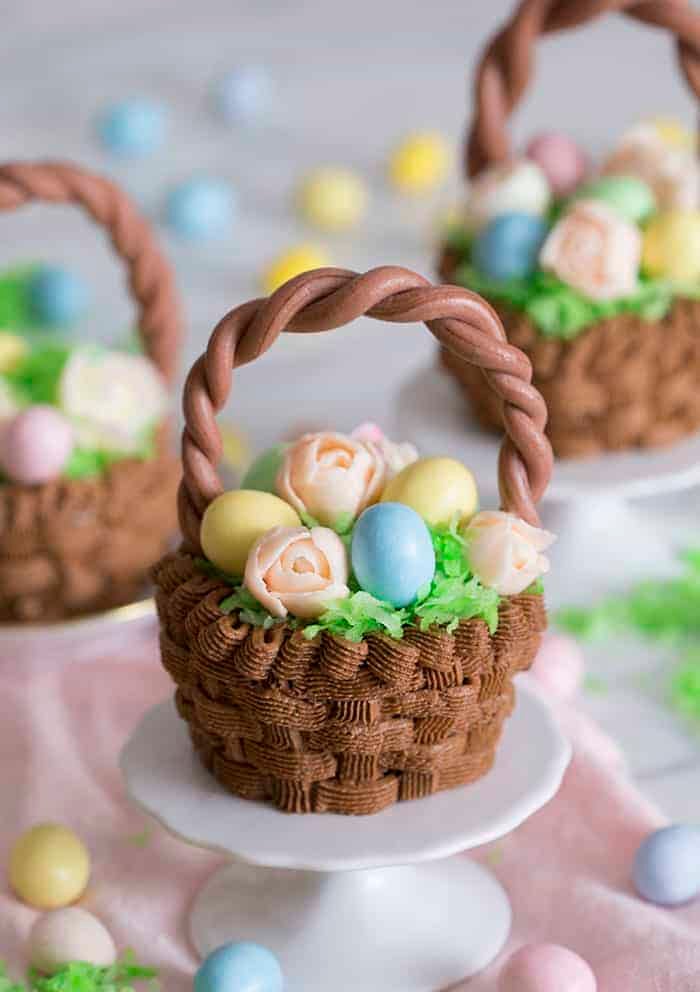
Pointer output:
x,y
87,480
343,630
594,273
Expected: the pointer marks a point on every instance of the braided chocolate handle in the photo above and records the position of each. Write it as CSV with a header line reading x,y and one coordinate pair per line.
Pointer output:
x,y
323,299
150,277
506,66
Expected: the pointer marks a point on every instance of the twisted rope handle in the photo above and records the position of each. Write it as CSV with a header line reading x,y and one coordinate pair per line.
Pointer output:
x,y
506,66
323,299
150,277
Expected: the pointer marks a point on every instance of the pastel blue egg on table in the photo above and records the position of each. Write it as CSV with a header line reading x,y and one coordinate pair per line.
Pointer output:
x,y
667,866
201,208
132,128
244,95
263,471
57,296
240,967
392,553
509,246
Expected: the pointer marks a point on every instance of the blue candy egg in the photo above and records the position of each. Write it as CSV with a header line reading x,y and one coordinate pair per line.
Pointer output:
x,y
132,128
392,552
508,247
240,967
244,94
201,208
57,296
667,866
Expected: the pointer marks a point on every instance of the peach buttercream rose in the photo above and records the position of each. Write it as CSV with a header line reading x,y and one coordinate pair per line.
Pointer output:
x,y
595,250
297,570
397,454
330,475
505,552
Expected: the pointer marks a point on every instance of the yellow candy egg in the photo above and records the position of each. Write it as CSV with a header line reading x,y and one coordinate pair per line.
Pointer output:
x,y
436,488
13,348
332,199
419,163
291,263
49,866
671,246
674,134
234,522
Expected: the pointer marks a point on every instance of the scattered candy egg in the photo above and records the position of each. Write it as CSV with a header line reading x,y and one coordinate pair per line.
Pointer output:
x,y
546,968
49,866
516,187
436,488
392,553
667,866
631,197
234,521
240,967
201,208
36,444
13,349
57,296
132,128
291,263
332,199
559,665
244,94
262,473
69,934
560,158
419,162
671,246
509,246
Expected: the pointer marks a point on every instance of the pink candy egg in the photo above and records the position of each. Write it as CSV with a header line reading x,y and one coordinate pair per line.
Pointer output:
x,y
559,665
36,445
561,160
546,968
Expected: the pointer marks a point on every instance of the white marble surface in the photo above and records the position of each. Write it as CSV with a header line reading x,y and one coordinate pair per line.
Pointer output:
x,y
351,79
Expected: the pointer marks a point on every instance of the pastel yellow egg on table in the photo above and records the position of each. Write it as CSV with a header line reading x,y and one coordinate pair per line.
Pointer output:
x,y
332,199
671,246
234,521
13,349
49,866
291,263
419,162
437,488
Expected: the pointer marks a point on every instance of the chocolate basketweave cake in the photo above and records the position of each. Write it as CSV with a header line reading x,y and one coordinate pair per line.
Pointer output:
x,y
594,270
87,477
343,630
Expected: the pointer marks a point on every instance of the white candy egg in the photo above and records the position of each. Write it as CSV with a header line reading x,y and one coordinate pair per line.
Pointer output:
x,y
69,934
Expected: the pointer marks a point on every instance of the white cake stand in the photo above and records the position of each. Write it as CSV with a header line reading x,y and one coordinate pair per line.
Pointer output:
x,y
604,542
349,903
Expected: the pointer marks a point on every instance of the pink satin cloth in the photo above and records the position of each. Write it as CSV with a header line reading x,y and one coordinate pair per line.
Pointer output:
x,y
567,870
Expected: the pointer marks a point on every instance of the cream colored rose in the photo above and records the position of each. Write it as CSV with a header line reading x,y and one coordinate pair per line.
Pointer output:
x,y
504,551
330,475
595,250
669,167
296,570
519,186
397,454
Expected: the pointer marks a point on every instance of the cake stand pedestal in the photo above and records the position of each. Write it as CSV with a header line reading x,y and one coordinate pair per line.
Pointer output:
x,y
349,903
604,541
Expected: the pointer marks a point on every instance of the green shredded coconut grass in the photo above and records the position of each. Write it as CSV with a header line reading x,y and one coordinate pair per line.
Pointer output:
x,y
78,976
685,686
36,378
15,311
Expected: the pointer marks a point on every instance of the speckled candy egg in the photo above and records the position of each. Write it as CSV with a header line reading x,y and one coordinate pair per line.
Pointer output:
x,y
631,197
49,866
234,521
263,472
201,208
667,866
671,246
240,967
69,934
57,296
436,488
392,553
560,158
508,247
244,95
546,968
132,128
36,445
332,199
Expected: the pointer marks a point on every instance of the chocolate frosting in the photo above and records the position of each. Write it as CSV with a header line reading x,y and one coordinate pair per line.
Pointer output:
x,y
323,299
507,63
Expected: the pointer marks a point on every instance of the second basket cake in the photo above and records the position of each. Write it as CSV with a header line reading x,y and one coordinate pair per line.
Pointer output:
x,y
343,630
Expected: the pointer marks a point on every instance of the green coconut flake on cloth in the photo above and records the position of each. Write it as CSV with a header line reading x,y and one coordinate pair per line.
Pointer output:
x,y
685,686
78,976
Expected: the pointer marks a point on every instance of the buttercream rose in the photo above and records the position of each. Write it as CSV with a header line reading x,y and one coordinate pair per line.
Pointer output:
x,y
595,250
505,552
297,570
669,167
397,454
329,476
